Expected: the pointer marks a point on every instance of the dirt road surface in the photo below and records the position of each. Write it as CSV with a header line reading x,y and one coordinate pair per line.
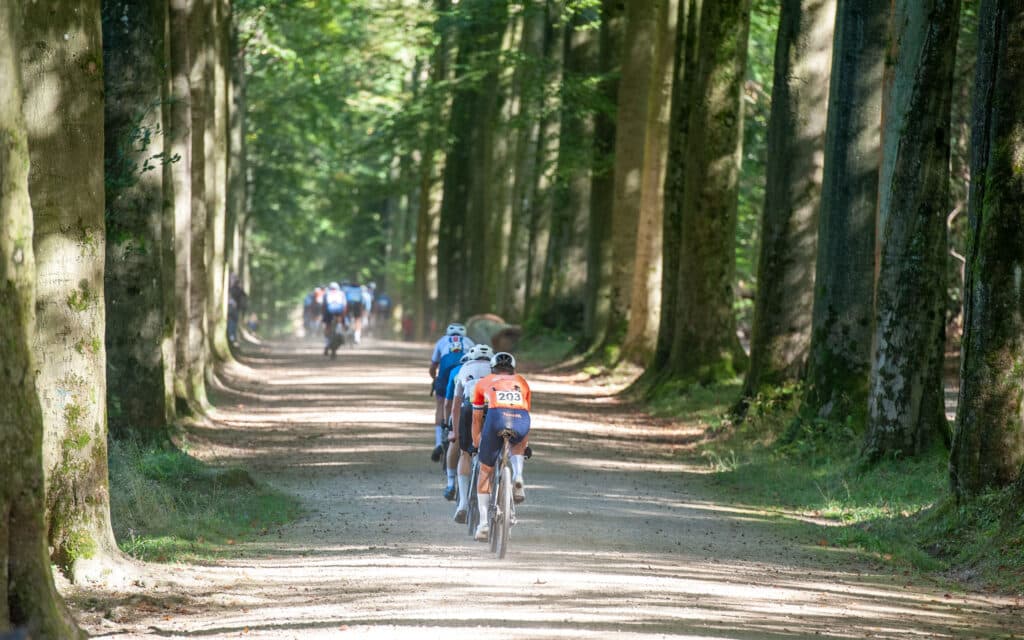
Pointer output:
x,y
621,536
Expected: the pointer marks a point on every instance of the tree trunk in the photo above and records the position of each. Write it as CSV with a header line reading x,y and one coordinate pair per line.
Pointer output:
x,y
906,405
705,347
236,187
839,360
63,82
789,223
134,78
630,138
683,98
180,143
531,94
645,293
201,82
217,181
565,269
27,594
599,230
988,450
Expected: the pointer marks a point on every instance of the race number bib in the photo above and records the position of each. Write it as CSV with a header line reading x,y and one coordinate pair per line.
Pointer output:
x,y
510,397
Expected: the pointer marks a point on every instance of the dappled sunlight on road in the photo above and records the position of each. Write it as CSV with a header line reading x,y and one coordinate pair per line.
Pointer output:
x,y
619,537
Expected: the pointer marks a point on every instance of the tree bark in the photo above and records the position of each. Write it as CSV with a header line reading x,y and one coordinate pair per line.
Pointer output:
x,y
906,405
683,98
705,347
134,79
630,139
201,83
988,449
180,142
217,181
839,361
28,597
64,113
645,292
789,222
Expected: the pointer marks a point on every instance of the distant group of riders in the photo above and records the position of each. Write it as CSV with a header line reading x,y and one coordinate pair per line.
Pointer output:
x,y
343,312
479,397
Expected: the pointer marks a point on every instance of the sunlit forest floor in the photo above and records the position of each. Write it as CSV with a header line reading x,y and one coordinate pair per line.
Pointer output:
x,y
624,533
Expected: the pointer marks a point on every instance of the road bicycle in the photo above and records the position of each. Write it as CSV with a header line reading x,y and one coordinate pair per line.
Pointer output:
x,y
502,512
473,514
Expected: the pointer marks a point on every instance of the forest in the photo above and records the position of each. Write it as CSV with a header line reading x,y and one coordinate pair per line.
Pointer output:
x,y
817,205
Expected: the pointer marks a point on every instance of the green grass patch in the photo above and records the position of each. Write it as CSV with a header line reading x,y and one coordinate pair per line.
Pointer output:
x,y
544,348
167,505
900,510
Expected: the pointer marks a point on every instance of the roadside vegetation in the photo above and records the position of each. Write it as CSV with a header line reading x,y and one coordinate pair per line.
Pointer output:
x,y
168,506
899,510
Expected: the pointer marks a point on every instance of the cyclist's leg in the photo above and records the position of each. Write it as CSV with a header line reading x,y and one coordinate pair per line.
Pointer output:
x,y
490,449
438,426
520,424
451,462
465,440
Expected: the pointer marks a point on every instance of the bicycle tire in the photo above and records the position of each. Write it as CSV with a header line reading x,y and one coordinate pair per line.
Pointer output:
x,y
505,504
472,508
494,517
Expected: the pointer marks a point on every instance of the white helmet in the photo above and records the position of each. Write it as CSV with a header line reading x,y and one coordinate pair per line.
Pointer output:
x,y
503,359
481,352
456,329
333,285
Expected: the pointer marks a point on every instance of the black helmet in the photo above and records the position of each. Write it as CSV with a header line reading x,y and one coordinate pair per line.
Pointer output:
x,y
503,360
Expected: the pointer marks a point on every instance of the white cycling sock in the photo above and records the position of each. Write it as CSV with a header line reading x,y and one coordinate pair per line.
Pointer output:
x,y
517,465
484,501
437,435
463,492
451,476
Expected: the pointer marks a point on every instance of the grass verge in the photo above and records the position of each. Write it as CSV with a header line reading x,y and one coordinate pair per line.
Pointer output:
x,y
168,506
899,510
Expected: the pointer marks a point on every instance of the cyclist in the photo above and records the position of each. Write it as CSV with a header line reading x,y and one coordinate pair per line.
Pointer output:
x,y
506,397
334,305
354,297
454,340
476,368
452,456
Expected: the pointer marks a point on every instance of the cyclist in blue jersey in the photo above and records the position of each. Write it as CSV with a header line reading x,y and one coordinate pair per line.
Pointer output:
x,y
454,339
475,369
452,457
334,305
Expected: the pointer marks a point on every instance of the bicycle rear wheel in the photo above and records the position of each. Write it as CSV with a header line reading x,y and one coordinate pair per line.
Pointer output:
x,y
473,514
504,525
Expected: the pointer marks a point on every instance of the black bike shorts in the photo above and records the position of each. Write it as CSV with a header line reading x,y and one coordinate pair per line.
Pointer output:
x,y
466,426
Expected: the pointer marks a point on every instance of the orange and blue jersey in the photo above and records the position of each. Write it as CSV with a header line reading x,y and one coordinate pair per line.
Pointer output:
x,y
502,391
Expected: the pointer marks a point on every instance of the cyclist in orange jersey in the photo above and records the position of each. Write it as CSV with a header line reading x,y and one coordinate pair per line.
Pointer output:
x,y
506,397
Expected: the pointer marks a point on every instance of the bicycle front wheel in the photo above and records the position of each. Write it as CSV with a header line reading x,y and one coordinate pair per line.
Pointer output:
x,y
504,525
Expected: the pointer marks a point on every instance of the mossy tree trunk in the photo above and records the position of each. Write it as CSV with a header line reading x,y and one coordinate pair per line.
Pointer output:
x,y
135,73
602,183
683,97
237,187
839,361
28,597
988,449
62,71
906,402
180,147
789,221
645,292
705,347
638,72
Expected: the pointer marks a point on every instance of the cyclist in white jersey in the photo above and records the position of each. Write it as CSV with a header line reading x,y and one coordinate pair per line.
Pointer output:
x,y
477,368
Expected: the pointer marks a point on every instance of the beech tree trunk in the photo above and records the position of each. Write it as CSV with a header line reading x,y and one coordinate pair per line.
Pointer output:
x,y
705,347
28,597
839,361
683,97
988,449
201,83
789,222
645,292
602,186
217,182
906,405
134,79
180,144
63,82
638,73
